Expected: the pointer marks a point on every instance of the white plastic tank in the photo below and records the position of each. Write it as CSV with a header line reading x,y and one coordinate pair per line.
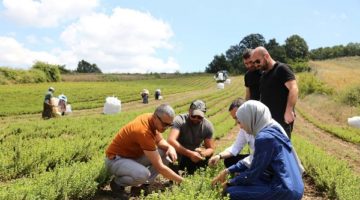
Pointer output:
x,y
112,105
220,86
354,121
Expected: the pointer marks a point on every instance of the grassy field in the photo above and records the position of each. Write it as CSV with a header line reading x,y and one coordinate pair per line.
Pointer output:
x,y
340,73
62,158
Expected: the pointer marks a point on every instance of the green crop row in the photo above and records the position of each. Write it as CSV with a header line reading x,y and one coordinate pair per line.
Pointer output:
x,y
28,98
347,134
197,186
330,174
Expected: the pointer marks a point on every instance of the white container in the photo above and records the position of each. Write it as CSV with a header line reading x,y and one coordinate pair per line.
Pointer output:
x,y
354,121
228,81
112,105
68,109
220,86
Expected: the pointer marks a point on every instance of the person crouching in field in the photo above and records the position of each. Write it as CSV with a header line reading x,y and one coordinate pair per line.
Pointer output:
x,y
273,152
188,133
145,96
138,152
48,104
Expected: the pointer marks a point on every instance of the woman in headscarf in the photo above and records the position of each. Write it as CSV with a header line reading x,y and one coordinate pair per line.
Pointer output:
x,y
275,171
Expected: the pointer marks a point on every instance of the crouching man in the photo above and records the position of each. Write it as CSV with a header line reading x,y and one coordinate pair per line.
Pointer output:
x,y
138,152
192,137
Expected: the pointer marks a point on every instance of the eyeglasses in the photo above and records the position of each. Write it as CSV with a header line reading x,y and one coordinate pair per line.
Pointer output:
x,y
164,124
197,117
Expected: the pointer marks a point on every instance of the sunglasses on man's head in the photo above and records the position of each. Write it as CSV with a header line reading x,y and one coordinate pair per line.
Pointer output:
x,y
196,117
164,124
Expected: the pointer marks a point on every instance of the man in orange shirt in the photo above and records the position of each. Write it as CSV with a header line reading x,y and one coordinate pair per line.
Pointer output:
x,y
138,152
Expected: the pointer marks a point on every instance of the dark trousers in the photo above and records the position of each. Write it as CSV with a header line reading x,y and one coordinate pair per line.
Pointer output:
x,y
288,128
234,159
47,111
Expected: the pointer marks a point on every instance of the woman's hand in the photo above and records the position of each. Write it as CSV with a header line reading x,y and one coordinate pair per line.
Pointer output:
x,y
214,160
220,178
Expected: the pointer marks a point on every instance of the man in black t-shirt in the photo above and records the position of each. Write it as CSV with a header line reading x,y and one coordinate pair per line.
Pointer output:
x,y
278,88
251,78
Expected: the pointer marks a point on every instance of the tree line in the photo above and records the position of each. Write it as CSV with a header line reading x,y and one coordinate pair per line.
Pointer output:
x,y
295,52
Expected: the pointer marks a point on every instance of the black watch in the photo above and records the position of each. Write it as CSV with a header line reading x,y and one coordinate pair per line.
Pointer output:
x,y
220,156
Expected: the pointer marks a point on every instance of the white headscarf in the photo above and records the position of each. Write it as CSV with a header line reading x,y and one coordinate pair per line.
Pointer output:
x,y
254,115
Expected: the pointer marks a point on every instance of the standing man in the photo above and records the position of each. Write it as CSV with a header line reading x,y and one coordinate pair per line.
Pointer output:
x,y
278,88
252,77
48,104
188,133
138,152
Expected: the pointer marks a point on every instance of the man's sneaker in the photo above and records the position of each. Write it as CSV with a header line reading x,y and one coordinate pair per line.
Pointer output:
x,y
136,190
118,191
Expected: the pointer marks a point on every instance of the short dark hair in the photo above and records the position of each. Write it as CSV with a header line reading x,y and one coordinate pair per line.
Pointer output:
x,y
247,53
236,103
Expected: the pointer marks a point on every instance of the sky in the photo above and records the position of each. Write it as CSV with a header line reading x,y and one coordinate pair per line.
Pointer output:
x,y
143,36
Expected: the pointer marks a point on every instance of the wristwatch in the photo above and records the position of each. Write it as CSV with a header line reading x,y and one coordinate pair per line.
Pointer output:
x,y
220,156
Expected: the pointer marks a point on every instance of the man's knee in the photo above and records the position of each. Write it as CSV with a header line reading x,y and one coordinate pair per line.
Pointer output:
x,y
141,176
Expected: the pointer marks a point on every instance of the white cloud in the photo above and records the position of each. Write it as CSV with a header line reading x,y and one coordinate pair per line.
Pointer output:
x,y
34,40
125,41
46,13
13,54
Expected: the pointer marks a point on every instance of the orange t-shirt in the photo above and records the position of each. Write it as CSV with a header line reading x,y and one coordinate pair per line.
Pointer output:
x,y
133,138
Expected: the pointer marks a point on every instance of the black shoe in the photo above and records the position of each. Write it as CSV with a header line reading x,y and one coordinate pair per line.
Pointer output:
x,y
136,191
118,191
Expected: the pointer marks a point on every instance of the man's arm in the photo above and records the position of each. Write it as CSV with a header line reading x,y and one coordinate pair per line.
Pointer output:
x,y
289,115
170,150
155,160
209,148
172,139
247,93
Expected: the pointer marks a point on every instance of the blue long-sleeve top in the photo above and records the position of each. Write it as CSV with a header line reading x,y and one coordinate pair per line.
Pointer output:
x,y
272,152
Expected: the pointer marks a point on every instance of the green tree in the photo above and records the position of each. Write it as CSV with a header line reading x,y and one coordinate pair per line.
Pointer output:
x,y
218,63
63,70
234,53
352,49
51,71
276,51
296,48
251,42
86,67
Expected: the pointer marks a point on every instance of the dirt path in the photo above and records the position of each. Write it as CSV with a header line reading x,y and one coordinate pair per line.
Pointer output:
x,y
334,146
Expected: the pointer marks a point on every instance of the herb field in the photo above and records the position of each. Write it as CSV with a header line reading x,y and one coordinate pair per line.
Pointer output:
x,y
63,158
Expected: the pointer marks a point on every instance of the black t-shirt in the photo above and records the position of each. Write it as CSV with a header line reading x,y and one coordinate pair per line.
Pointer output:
x,y
273,92
252,81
